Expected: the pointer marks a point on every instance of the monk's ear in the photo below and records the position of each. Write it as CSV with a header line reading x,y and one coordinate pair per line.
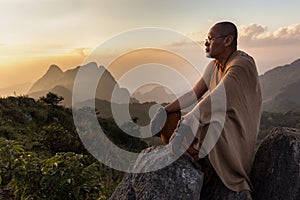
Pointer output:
x,y
228,40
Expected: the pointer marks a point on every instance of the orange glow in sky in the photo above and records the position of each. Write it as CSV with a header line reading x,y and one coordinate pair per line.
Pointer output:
x,y
35,35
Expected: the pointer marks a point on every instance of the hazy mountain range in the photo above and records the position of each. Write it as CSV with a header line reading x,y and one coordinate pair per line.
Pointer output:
x,y
280,87
61,83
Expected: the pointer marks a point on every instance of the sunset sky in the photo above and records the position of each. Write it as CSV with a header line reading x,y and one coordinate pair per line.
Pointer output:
x,y
35,34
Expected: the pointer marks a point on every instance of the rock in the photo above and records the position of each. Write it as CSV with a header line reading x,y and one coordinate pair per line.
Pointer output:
x,y
275,175
179,180
276,170
214,189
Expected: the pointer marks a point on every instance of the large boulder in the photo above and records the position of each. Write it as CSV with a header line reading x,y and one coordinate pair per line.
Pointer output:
x,y
275,175
179,180
276,170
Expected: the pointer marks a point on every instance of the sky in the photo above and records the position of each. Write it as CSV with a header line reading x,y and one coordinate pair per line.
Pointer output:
x,y
35,34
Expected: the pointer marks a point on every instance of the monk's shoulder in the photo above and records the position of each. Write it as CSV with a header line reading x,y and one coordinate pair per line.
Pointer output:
x,y
242,60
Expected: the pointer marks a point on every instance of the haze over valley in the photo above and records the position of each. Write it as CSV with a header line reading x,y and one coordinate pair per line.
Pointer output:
x,y
279,85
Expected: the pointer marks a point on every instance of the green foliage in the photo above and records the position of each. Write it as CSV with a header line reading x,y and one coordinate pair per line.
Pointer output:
x,y
8,132
42,156
120,137
279,119
63,176
75,176
26,176
56,138
9,151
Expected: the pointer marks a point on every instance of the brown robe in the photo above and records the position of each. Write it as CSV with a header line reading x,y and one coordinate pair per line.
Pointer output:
x,y
226,121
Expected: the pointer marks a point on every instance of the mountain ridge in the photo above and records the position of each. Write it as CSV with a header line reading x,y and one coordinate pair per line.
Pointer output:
x,y
277,84
53,74
158,94
66,80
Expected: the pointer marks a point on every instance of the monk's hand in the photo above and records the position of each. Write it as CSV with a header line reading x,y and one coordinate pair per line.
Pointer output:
x,y
181,139
158,121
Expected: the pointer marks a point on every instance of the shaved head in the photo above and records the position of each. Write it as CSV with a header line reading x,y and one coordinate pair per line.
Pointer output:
x,y
227,28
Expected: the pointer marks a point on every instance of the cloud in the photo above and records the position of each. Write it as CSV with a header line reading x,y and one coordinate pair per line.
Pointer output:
x,y
257,35
291,32
81,51
252,30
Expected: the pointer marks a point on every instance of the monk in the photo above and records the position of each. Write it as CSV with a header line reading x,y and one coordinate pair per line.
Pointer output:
x,y
220,131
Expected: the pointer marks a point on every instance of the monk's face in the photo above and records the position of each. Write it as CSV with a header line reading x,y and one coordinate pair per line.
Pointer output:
x,y
215,42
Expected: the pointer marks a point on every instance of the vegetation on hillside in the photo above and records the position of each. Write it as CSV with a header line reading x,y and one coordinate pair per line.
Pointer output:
x,y
42,156
270,120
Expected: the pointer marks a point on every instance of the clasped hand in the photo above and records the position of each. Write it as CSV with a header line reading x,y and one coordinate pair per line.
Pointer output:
x,y
181,132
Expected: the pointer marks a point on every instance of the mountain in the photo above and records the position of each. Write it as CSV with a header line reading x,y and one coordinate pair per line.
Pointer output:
x,y
57,81
52,76
287,99
280,88
157,93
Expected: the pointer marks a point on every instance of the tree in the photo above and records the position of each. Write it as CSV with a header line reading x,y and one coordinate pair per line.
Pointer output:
x,y
52,99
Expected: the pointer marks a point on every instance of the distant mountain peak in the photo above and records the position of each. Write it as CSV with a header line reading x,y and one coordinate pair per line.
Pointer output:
x,y
53,74
106,83
158,94
54,69
91,65
296,62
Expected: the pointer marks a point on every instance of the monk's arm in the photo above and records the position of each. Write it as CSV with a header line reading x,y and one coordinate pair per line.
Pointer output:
x,y
188,98
229,90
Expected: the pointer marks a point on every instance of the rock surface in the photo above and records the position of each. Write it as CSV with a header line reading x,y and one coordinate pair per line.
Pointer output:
x,y
275,175
276,170
179,180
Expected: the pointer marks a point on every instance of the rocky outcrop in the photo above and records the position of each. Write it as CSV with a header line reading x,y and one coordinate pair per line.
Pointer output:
x,y
275,175
276,169
180,180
